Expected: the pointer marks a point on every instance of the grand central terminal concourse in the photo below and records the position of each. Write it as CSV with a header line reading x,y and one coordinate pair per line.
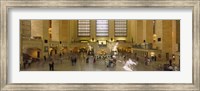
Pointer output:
x,y
100,45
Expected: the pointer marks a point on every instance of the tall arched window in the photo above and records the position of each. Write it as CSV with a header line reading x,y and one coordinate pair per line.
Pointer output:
x,y
101,27
120,28
83,27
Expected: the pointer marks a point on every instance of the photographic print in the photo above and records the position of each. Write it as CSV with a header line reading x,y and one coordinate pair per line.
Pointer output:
x,y
100,45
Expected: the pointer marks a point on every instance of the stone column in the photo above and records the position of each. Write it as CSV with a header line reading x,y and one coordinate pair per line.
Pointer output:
x,y
93,29
74,29
129,31
139,31
111,29
132,30
37,30
71,31
61,37
158,31
167,38
66,31
178,33
149,31
178,42
174,36
25,32
144,30
45,37
134,27
55,30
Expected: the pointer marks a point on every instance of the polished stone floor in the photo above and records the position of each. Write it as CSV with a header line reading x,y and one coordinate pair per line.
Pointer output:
x,y
100,65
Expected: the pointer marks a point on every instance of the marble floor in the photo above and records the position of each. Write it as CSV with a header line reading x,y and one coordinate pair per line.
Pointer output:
x,y
99,65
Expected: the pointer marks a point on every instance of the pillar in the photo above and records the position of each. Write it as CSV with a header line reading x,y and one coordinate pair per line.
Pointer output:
x,y
111,29
93,29
139,31
45,37
167,38
132,30
55,30
149,31
174,36
158,35
144,30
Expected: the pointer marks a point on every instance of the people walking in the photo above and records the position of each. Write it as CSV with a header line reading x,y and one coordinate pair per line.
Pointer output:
x,y
45,58
24,63
51,66
29,62
170,62
73,59
87,59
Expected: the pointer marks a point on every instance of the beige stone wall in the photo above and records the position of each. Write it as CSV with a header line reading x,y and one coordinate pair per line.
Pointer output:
x,y
65,31
144,26
92,30
167,37
25,28
178,31
45,30
149,31
37,28
31,47
55,30
139,31
73,29
158,30
174,37
132,30
129,31
111,29
45,37
25,32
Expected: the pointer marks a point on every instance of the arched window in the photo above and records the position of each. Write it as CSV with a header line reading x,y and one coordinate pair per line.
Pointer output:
x,y
101,27
120,28
83,27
